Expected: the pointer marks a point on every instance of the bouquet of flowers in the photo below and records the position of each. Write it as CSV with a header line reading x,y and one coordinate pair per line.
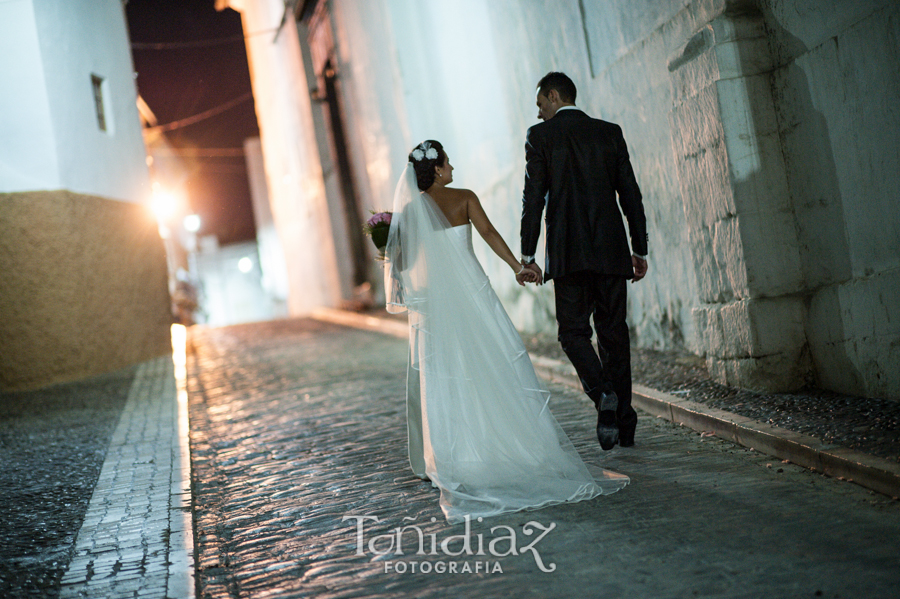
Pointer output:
x,y
377,227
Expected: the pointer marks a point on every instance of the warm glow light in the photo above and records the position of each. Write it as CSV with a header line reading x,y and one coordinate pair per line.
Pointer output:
x,y
245,264
164,204
192,223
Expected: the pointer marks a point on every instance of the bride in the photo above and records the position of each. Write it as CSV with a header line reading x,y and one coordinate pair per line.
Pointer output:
x,y
479,423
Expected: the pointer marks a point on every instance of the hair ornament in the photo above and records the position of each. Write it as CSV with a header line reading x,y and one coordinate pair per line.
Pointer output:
x,y
424,150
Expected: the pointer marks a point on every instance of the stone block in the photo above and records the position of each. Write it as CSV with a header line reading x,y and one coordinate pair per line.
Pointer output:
x,y
708,330
748,121
777,325
693,68
728,250
769,374
752,328
740,58
695,124
771,256
854,332
741,46
712,285
755,344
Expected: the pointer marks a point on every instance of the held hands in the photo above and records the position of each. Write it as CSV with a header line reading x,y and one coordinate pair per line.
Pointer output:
x,y
530,273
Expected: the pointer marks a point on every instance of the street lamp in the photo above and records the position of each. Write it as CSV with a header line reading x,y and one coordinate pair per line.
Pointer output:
x,y
192,223
164,205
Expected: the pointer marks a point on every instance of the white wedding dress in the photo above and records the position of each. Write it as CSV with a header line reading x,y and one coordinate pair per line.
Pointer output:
x,y
479,422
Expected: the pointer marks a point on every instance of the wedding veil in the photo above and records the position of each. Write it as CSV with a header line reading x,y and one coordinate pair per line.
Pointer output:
x,y
478,422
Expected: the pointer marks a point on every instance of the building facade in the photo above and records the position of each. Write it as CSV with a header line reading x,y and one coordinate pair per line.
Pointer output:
x,y
83,287
762,133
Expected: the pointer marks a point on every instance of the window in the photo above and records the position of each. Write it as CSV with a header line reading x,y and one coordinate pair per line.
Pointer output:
x,y
98,84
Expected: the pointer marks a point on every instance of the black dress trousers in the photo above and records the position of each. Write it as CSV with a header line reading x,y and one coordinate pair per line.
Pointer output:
x,y
579,296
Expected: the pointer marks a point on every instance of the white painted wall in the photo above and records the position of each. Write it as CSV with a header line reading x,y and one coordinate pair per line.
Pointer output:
x,y
616,53
27,151
293,170
51,140
273,268
229,295
419,70
768,157
806,157
464,73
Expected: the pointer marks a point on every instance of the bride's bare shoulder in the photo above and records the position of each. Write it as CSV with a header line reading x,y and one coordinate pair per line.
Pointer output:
x,y
455,203
461,195
453,195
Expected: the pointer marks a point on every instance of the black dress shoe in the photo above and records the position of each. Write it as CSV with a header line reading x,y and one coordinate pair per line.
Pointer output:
x,y
626,433
607,431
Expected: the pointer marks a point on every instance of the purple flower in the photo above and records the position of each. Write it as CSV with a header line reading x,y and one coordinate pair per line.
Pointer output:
x,y
381,218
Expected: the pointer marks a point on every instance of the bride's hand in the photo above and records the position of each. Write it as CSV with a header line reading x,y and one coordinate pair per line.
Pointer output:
x,y
526,275
535,270
523,276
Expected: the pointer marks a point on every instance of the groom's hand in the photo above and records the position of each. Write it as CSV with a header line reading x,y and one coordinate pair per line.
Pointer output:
x,y
526,276
536,270
640,268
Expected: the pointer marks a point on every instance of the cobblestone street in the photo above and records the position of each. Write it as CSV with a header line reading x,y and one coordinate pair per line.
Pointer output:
x,y
298,432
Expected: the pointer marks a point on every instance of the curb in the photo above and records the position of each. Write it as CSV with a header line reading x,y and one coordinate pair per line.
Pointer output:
x,y
136,538
865,470
182,579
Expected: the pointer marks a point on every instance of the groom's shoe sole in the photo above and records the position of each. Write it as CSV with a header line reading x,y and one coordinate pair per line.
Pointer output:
x,y
607,431
608,435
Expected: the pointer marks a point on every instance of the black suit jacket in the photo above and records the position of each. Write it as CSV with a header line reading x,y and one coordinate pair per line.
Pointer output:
x,y
579,164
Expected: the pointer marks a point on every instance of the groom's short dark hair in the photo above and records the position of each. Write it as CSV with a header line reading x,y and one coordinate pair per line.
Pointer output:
x,y
561,83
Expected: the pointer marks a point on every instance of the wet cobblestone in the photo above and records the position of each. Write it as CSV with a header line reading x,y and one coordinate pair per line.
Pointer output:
x,y
52,445
297,425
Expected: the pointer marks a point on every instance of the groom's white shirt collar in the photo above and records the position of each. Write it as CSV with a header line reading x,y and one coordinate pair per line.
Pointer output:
x,y
567,108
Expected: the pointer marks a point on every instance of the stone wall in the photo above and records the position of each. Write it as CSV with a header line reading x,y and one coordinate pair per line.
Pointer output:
x,y
84,287
738,209
789,184
836,85
762,133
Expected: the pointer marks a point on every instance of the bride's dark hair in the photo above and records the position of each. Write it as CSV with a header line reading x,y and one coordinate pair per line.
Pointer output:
x,y
424,165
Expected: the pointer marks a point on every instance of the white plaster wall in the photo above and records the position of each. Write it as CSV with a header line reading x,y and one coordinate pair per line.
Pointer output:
x,y
51,120
227,294
413,71
27,151
798,199
619,67
293,170
274,273
373,96
464,73
468,71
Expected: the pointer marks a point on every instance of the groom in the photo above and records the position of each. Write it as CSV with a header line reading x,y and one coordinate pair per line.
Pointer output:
x,y
580,164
